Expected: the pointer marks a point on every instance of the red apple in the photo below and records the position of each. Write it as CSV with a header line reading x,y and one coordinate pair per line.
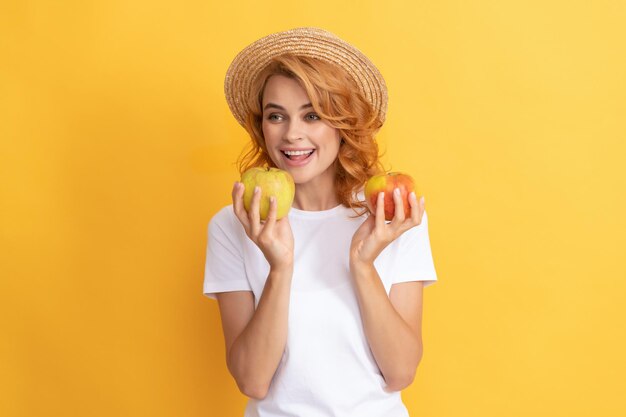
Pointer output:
x,y
387,183
272,182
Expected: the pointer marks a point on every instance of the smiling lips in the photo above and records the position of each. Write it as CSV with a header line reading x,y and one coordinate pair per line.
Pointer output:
x,y
297,157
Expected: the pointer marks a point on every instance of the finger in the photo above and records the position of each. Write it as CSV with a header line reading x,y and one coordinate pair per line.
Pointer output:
x,y
413,219
415,209
398,215
238,208
380,210
422,209
271,217
254,216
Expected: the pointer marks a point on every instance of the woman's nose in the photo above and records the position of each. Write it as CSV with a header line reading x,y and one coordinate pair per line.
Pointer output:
x,y
294,131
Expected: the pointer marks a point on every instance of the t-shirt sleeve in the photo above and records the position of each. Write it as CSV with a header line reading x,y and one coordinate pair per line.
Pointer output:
x,y
224,268
414,260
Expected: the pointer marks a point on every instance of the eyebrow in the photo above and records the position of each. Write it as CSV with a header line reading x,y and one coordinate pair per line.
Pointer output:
x,y
276,106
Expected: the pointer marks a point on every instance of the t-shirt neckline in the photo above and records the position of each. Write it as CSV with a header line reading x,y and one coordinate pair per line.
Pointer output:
x,y
315,214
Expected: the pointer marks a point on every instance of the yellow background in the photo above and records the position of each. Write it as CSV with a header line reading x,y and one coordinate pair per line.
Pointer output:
x,y
117,147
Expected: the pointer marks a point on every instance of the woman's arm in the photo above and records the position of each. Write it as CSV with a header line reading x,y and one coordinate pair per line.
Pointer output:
x,y
392,324
255,340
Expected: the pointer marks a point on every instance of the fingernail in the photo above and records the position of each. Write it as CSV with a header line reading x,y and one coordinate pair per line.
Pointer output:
x,y
422,200
396,191
382,194
272,200
257,189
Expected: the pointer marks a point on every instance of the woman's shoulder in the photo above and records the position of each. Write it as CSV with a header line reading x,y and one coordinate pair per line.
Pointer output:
x,y
225,218
416,233
225,211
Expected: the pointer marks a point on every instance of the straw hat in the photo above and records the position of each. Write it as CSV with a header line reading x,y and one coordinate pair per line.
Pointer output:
x,y
310,42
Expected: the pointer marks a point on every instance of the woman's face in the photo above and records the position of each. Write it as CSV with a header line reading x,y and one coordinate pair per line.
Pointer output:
x,y
297,140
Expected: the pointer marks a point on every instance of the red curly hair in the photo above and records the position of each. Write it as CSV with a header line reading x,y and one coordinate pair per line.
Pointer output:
x,y
337,100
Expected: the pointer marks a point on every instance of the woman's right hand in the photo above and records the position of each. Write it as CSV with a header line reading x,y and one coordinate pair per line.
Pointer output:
x,y
273,237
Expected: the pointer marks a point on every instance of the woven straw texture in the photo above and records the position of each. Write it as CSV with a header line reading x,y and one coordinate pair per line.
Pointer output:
x,y
310,42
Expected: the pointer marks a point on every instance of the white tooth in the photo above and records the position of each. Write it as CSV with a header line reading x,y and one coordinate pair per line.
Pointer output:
x,y
298,152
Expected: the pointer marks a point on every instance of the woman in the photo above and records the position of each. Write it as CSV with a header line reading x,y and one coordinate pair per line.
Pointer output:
x,y
321,310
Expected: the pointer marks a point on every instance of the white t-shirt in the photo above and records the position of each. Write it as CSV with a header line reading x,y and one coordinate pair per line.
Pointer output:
x,y
327,368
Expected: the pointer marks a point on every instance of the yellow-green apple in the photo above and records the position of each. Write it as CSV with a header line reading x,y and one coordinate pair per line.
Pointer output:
x,y
272,182
387,183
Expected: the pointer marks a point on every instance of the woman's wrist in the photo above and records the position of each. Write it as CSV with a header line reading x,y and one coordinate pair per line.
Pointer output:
x,y
359,265
282,267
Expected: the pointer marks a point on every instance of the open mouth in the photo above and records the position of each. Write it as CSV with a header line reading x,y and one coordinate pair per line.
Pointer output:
x,y
298,155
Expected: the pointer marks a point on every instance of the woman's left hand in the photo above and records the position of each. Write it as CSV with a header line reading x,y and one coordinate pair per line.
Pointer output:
x,y
375,233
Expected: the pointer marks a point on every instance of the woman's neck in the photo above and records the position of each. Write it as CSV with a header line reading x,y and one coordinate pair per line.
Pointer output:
x,y
316,196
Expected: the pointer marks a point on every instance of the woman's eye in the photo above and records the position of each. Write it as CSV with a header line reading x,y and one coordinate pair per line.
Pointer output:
x,y
273,116
313,116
